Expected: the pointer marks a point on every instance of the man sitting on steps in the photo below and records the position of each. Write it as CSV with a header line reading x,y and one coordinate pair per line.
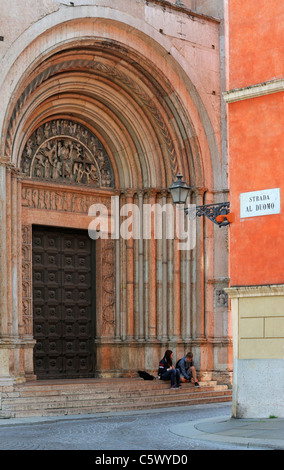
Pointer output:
x,y
187,369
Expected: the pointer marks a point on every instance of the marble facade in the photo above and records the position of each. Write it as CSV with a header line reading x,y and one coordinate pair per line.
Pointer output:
x,y
99,101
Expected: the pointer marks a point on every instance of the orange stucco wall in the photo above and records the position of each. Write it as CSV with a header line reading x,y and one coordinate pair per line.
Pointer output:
x,y
256,162
255,41
256,140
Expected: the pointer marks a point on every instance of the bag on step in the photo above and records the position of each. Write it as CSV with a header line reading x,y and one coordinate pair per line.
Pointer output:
x,y
144,375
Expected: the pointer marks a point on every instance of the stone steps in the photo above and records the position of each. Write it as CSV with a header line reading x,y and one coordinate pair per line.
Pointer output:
x,y
103,395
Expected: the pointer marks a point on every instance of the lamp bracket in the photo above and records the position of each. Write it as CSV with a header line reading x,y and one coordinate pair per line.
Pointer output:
x,y
213,212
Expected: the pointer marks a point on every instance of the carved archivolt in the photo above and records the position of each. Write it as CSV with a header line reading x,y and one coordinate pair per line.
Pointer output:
x,y
67,152
105,70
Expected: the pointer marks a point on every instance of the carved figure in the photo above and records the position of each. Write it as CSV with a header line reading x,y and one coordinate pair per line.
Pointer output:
x,y
79,157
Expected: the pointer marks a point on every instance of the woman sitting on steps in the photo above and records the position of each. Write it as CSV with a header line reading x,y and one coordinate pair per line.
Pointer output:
x,y
167,371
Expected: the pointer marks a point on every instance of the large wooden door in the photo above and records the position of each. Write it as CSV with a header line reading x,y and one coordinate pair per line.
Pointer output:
x,y
63,303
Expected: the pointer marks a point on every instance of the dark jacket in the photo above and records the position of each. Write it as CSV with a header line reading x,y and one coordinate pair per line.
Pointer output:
x,y
184,367
163,366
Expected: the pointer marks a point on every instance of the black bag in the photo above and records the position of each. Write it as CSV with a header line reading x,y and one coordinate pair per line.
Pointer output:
x,y
177,364
144,375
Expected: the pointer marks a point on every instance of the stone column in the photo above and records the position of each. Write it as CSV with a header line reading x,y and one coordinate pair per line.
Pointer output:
x,y
152,328
117,289
164,273
15,255
19,257
8,245
123,280
186,288
3,255
141,330
209,271
146,270
170,312
199,320
176,287
159,276
130,274
6,377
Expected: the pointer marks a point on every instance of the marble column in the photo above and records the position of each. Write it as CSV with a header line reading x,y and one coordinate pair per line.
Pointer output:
x,y
130,273
123,279
164,272
176,288
8,247
159,276
141,330
152,328
199,319
186,286
115,235
4,333
10,364
15,255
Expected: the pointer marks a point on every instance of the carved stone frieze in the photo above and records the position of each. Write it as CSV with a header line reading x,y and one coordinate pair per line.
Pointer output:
x,y
60,200
64,151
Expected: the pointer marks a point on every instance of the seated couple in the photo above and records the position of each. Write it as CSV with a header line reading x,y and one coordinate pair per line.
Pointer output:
x,y
184,371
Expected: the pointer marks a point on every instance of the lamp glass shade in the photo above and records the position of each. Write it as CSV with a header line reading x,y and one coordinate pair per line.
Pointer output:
x,y
183,195
179,191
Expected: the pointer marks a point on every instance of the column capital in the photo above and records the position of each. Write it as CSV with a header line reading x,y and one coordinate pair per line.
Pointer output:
x,y
152,192
199,190
129,193
164,192
16,172
4,160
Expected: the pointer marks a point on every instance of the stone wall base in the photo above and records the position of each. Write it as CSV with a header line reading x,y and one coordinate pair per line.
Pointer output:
x,y
124,359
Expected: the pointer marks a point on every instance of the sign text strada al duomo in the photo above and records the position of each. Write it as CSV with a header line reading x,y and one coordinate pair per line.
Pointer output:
x,y
257,203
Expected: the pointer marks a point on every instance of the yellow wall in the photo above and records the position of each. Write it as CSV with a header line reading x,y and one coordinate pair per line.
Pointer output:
x,y
261,328
258,322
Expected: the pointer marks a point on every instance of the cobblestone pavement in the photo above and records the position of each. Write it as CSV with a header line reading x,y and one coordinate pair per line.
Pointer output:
x,y
129,431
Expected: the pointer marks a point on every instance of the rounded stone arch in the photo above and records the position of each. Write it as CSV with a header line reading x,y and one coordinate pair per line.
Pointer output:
x,y
180,135
147,137
139,97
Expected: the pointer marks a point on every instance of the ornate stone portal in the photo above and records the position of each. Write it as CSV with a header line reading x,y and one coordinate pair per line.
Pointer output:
x,y
64,170
158,119
64,151
141,306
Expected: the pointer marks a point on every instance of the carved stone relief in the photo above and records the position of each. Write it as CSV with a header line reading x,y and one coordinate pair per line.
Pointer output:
x,y
60,200
221,298
67,152
27,279
108,287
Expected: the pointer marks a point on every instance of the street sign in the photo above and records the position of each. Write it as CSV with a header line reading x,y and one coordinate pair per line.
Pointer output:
x,y
256,203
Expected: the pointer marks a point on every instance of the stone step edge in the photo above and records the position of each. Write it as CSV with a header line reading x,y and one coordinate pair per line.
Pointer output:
x,y
94,392
67,404
145,385
113,408
119,387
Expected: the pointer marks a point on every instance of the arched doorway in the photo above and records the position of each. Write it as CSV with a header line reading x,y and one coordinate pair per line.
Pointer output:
x,y
149,295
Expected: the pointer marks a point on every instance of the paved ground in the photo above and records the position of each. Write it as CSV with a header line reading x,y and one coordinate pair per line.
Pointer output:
x,y
146,430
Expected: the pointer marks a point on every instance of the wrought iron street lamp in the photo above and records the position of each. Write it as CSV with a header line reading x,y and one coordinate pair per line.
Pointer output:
x,y
218,213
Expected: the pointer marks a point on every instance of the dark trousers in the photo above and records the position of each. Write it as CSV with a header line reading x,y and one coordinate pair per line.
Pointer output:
x,y
173,375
